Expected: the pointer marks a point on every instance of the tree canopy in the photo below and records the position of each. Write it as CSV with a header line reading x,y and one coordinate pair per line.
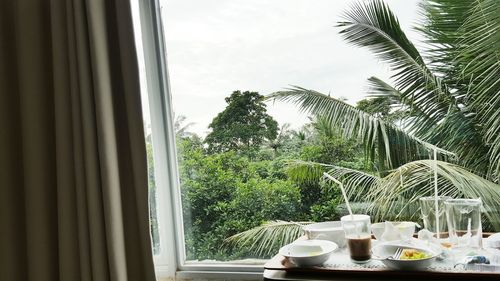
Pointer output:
x,y
244,124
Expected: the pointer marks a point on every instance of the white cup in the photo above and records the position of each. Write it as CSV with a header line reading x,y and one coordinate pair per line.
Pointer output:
x,y
330,230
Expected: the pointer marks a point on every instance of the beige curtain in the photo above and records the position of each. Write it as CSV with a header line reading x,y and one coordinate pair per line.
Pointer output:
x,y
73,177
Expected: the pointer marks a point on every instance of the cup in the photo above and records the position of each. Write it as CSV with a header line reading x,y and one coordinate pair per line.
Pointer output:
x,y
464,222
330,230
357,230
428,211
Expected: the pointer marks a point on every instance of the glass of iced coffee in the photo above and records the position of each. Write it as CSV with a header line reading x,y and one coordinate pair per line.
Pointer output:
x,y
357,230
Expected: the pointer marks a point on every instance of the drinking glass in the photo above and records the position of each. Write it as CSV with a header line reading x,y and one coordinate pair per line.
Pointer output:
x,y
464,222
357,230
428,211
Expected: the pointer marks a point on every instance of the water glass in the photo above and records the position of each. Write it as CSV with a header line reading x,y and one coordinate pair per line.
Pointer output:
x,y
464,222
428,211
357,230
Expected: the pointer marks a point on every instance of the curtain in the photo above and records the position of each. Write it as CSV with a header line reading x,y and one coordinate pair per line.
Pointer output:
x,y
73,170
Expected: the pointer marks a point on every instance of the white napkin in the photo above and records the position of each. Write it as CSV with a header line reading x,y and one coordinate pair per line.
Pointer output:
x,y
493,241
391,232
426,235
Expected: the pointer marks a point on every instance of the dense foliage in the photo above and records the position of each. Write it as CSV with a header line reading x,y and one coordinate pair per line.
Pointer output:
x,y
230,191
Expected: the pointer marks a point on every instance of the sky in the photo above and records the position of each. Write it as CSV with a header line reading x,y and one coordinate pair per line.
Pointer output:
x,y
217,46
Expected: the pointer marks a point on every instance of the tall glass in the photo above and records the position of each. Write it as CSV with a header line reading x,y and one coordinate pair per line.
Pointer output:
x,y
357,230
464,222
428,211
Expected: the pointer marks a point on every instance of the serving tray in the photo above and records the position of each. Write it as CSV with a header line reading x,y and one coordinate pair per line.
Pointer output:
x,y
339,263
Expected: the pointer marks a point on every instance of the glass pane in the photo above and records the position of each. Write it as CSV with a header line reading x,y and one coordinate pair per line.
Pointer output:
x,y
235,147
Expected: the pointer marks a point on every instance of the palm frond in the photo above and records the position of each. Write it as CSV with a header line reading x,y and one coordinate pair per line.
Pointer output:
x,y
479,53
373,25
445,25
457,132
460,133
441,24
380,88
390,143
397,193
415,179
264,240
357,183
304,171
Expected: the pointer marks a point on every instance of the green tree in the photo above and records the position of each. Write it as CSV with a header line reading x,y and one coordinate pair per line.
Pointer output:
x,y
326,145
244,124
225,193
181,128
378,107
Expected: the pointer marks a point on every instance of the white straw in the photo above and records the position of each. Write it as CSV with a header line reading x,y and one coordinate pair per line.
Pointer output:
x,y
343,193
436,203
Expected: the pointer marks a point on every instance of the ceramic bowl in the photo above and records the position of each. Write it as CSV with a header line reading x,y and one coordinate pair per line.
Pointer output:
x,y
384,251
308,252
405,230
330,230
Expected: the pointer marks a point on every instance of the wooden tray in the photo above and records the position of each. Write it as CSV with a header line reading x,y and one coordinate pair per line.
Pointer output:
x,y
281,263
376,270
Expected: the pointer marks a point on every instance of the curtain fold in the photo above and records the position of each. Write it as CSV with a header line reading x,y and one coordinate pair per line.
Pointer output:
x,y
73,170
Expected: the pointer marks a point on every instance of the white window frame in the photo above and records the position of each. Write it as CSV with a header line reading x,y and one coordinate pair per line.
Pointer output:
x,y
172,263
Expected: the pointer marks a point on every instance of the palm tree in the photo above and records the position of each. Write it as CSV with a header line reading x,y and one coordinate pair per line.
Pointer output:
x,y
281,138
450,93
181,127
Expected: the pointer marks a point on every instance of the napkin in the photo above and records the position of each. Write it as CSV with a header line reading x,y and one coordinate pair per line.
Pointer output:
x,y
391,232
426,235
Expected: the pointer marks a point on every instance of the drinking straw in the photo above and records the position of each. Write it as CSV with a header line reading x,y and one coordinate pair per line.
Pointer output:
x,y
436,204
343,193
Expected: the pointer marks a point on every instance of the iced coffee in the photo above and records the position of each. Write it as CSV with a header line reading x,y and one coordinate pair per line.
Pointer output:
x,y
358,234
359,248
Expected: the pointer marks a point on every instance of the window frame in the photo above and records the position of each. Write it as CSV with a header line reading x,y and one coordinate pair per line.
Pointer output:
x,y
158,93
172,263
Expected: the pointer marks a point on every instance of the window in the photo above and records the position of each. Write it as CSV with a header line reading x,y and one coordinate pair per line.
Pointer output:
x,y
218,152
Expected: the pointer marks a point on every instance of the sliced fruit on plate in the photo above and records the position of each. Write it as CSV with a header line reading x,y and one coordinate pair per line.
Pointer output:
x,y
413,254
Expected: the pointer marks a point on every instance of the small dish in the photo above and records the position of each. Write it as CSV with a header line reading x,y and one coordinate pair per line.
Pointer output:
x,y
386,251
308,252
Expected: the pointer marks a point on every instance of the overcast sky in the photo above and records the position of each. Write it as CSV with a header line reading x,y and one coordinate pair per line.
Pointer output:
x,y
217,46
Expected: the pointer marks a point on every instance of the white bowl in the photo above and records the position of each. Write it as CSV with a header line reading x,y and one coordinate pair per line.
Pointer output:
x,y
330,230
405,230
385,250
308,252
